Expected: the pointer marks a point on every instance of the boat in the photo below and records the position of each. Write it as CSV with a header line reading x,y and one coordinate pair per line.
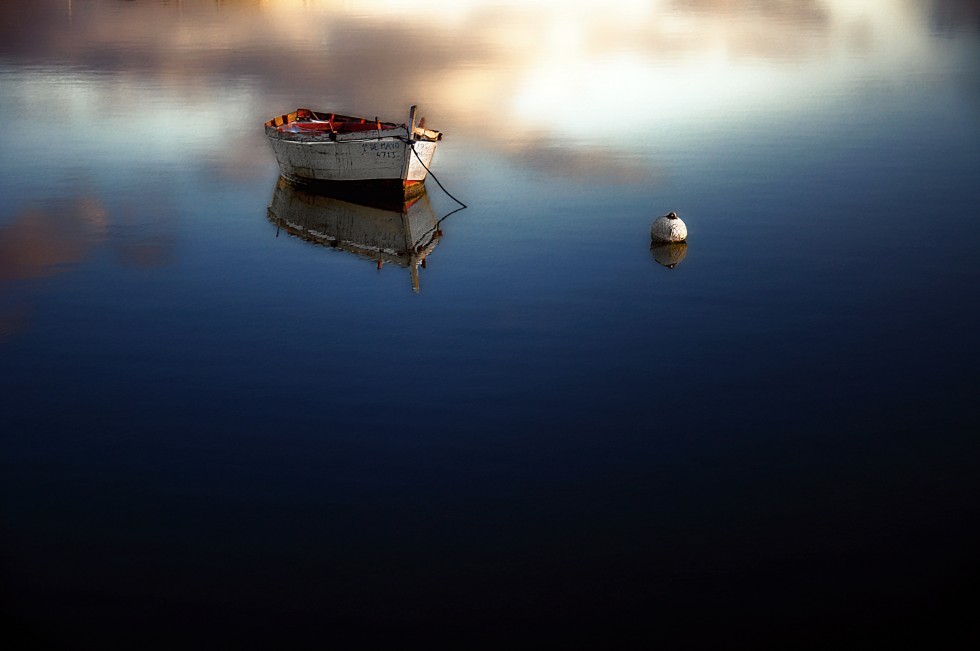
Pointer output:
x,y
402,234
330,150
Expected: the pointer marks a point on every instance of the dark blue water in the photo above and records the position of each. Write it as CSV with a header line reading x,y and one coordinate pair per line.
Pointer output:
x,y
218,434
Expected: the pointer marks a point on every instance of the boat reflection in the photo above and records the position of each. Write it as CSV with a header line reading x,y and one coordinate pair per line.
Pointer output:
x,y
402,232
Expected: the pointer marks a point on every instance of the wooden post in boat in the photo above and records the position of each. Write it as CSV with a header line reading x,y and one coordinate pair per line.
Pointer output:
x,y
411,122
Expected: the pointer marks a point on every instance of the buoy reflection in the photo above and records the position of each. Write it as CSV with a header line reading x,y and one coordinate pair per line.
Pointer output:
x,y
669,254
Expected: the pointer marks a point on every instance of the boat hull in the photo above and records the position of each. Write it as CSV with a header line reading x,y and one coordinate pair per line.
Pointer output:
x,y
362,160
317,147
387,194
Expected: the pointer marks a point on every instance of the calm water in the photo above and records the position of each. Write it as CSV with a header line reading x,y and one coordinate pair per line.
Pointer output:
x,y
217,433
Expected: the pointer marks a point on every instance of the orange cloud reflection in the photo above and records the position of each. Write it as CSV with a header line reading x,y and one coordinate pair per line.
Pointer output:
x,y
44,242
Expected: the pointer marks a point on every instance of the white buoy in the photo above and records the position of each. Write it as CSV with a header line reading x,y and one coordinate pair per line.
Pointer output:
x,y
668,228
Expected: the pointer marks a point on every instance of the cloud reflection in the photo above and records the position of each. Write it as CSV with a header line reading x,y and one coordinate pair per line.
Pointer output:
x,y
52,237
44,241
506,74
40,242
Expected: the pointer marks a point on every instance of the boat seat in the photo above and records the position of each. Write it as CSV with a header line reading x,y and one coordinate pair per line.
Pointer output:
x,y
339,126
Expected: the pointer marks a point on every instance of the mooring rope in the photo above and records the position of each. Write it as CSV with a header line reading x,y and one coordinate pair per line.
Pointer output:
x,y
411,145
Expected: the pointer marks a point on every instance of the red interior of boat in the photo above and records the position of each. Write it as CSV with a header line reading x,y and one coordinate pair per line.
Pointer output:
x,y
310,121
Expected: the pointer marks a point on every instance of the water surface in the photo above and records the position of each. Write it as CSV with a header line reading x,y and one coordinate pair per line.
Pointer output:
x,y
222,431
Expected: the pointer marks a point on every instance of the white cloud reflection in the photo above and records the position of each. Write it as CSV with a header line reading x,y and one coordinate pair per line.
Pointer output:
x,y
500,72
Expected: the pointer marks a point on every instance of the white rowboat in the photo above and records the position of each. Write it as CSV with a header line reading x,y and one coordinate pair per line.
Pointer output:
x,y
322,148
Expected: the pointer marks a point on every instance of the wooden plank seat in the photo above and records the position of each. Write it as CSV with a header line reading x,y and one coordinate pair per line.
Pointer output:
x,y
306,120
